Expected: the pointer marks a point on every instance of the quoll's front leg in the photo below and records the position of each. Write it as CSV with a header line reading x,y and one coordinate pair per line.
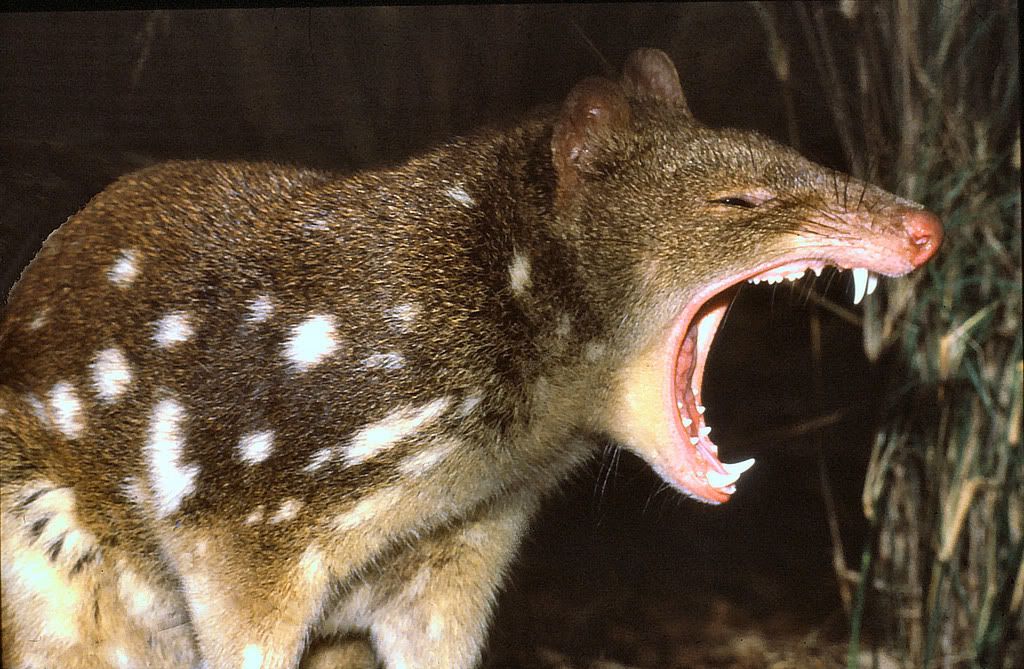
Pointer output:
x,y
430,607
248,610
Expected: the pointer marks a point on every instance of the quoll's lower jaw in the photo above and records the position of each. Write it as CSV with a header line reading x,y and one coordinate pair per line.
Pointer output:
x,y
712,480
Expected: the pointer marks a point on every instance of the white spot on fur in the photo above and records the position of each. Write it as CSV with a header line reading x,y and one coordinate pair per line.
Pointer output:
x,y
255,447
459,194
419,463
320,458
171,480
125,269
287,511
468,405
72,543
40,319
371,506
519,274
403,315
135,593
388,431
255,517
311,341
317,224
67,410
259,309
172,329
311,564
252,657
393,360
111,374
435,629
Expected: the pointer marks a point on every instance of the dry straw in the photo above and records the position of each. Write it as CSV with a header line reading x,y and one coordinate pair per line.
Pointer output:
x,y
926,98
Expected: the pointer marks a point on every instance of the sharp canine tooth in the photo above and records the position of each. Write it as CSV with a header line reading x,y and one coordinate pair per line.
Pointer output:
x,y
860,284
738,468
687,422
704,431
817,271
717,480
693,441
700,409
733,472
872,282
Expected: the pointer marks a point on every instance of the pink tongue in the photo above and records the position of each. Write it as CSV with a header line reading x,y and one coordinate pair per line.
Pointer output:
x,y
691,412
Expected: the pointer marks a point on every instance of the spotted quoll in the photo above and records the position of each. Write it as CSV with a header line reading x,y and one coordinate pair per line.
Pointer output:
x,y
248,409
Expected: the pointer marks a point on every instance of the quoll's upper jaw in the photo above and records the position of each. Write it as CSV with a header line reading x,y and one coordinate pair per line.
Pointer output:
x,y
677,443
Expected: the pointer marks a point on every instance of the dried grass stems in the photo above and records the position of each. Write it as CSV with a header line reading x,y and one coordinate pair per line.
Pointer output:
x,y
926,99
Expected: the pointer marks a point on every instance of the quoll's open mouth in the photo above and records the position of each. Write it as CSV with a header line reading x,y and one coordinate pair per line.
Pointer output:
x,y
681,451
714,480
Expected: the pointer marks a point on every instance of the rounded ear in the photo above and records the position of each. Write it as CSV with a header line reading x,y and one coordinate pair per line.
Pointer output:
x,y
649,73
594,110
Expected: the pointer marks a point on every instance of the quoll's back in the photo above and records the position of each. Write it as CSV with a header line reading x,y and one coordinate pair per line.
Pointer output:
x,y
243,406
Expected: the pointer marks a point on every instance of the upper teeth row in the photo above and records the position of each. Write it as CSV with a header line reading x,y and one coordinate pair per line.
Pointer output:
x,y
864,282
779,278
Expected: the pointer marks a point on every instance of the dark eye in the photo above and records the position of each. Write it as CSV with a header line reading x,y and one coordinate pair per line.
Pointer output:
x,y
736,202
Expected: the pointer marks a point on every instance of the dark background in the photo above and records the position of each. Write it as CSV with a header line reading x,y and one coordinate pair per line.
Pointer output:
x,y
618,568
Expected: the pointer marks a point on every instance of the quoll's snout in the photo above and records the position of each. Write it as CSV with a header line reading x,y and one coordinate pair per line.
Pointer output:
x,y
925,233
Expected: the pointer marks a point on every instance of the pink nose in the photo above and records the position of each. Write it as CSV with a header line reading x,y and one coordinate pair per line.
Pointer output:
x,y
925,234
